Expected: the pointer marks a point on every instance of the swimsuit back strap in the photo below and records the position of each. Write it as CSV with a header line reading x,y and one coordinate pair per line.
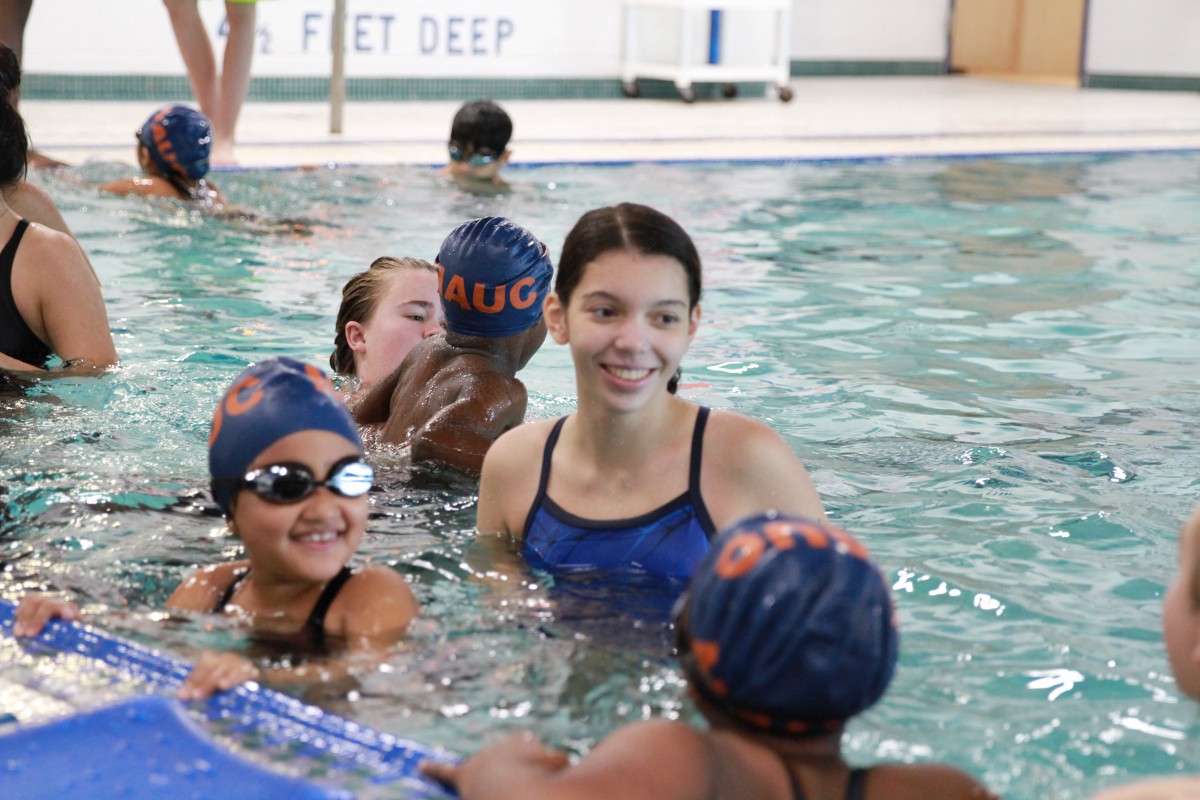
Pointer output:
x,y
857,787
544,478
694,473
14,241
227,595
316,619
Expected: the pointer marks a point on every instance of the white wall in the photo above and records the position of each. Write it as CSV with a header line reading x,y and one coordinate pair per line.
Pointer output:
x,y
1144,37
870,30
562,38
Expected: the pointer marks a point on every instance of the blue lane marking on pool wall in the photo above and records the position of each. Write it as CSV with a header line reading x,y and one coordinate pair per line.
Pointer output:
x,y
162,740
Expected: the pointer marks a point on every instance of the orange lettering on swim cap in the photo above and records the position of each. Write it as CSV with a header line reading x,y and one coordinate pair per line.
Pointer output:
x,y
497,299
216,426
780,534
515,297
706,654
456,292
320,380
739,555
234,405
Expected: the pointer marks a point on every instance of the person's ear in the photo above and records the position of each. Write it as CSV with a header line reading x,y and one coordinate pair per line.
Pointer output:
x,y
356,339
556,318
693,320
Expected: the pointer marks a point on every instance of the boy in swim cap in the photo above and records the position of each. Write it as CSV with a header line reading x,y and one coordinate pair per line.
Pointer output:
x,y
478,144
288,472
786,633
1181,633
173,147
453,395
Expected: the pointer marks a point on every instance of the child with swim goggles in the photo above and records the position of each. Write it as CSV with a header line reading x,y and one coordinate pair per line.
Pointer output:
x,y
478,145
1181,634
786,633
638,477
173,148
287,469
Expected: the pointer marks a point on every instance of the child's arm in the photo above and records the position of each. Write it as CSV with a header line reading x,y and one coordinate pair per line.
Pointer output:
x,y
35,610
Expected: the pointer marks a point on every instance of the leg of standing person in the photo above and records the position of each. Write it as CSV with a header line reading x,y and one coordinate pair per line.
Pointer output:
x,y
235,79
196,51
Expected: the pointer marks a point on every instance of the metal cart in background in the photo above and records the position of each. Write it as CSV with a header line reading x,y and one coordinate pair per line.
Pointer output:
x,y
693,14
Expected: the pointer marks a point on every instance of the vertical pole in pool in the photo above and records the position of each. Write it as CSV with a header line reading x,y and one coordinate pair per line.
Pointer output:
x,y
337,77
714,37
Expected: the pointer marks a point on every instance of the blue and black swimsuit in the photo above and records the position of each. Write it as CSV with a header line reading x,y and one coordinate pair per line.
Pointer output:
x,y
670,540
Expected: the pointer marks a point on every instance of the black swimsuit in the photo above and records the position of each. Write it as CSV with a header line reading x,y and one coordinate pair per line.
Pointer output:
x,y
855,789
16,338
314,627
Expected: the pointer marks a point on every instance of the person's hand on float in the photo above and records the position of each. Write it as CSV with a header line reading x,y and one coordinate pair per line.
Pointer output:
x,y
35,610
216,672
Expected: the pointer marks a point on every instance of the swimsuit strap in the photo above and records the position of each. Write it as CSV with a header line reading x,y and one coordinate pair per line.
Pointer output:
x,y
315,625
694,474
227,595
14,241
544,479
857,788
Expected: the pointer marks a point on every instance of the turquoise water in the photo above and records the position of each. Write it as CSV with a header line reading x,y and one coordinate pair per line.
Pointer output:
x,y
990,367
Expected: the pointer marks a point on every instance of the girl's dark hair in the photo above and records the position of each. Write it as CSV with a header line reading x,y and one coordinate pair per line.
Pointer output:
x,y
360,298
627,226
14,138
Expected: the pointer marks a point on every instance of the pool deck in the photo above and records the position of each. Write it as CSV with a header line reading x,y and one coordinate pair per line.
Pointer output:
x,y
829,118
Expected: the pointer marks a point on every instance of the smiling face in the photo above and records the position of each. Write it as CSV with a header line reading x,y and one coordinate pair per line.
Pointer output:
x,y
309,540
629,324
408,311
1181,612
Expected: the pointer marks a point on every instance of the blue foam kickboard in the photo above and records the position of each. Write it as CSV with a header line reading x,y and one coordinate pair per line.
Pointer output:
x,y
146,747
273,717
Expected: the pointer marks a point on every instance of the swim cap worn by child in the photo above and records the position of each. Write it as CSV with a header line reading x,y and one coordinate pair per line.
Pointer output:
x,y
178,139
493,277
268,401
788,627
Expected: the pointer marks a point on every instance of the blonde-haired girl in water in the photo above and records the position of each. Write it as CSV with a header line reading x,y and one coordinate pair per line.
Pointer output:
x,y
287,469
386,310
637,476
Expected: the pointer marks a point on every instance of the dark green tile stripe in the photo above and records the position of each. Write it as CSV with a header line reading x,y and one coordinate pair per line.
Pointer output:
x,y
812,69
1159,83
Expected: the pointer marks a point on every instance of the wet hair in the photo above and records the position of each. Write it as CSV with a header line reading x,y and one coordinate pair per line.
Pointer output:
x,y
14,138
627,226
481,127
360,299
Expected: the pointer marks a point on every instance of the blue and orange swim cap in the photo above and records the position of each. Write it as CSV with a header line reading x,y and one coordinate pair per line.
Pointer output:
x,y
493,276
788,627
266,402
179,140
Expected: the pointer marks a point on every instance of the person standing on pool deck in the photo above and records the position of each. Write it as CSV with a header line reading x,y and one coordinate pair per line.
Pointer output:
x,y
1181,633
385,311
287,469
50,298
786,632
220,98
637,477
454,394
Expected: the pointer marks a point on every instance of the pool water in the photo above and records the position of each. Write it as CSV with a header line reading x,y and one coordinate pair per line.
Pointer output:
x,y
990,367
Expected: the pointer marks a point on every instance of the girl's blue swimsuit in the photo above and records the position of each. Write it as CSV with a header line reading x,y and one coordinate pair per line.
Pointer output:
x,y
670,540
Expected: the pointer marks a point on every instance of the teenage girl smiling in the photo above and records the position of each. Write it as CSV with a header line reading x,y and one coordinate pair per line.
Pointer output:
x,y
637,477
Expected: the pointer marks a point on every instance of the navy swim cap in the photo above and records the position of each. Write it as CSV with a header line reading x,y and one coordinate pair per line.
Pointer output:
x,y
178,139
788,627
493,276
268,401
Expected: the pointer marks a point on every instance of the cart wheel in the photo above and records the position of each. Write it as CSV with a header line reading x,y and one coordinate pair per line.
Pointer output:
x,y
729,90
688,94
631,89
785,93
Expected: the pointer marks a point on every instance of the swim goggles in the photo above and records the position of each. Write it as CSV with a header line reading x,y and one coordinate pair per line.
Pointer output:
x,y
476,158
291,482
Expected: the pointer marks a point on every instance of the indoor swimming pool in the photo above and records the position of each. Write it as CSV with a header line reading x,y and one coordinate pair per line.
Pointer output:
x,y
989,367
